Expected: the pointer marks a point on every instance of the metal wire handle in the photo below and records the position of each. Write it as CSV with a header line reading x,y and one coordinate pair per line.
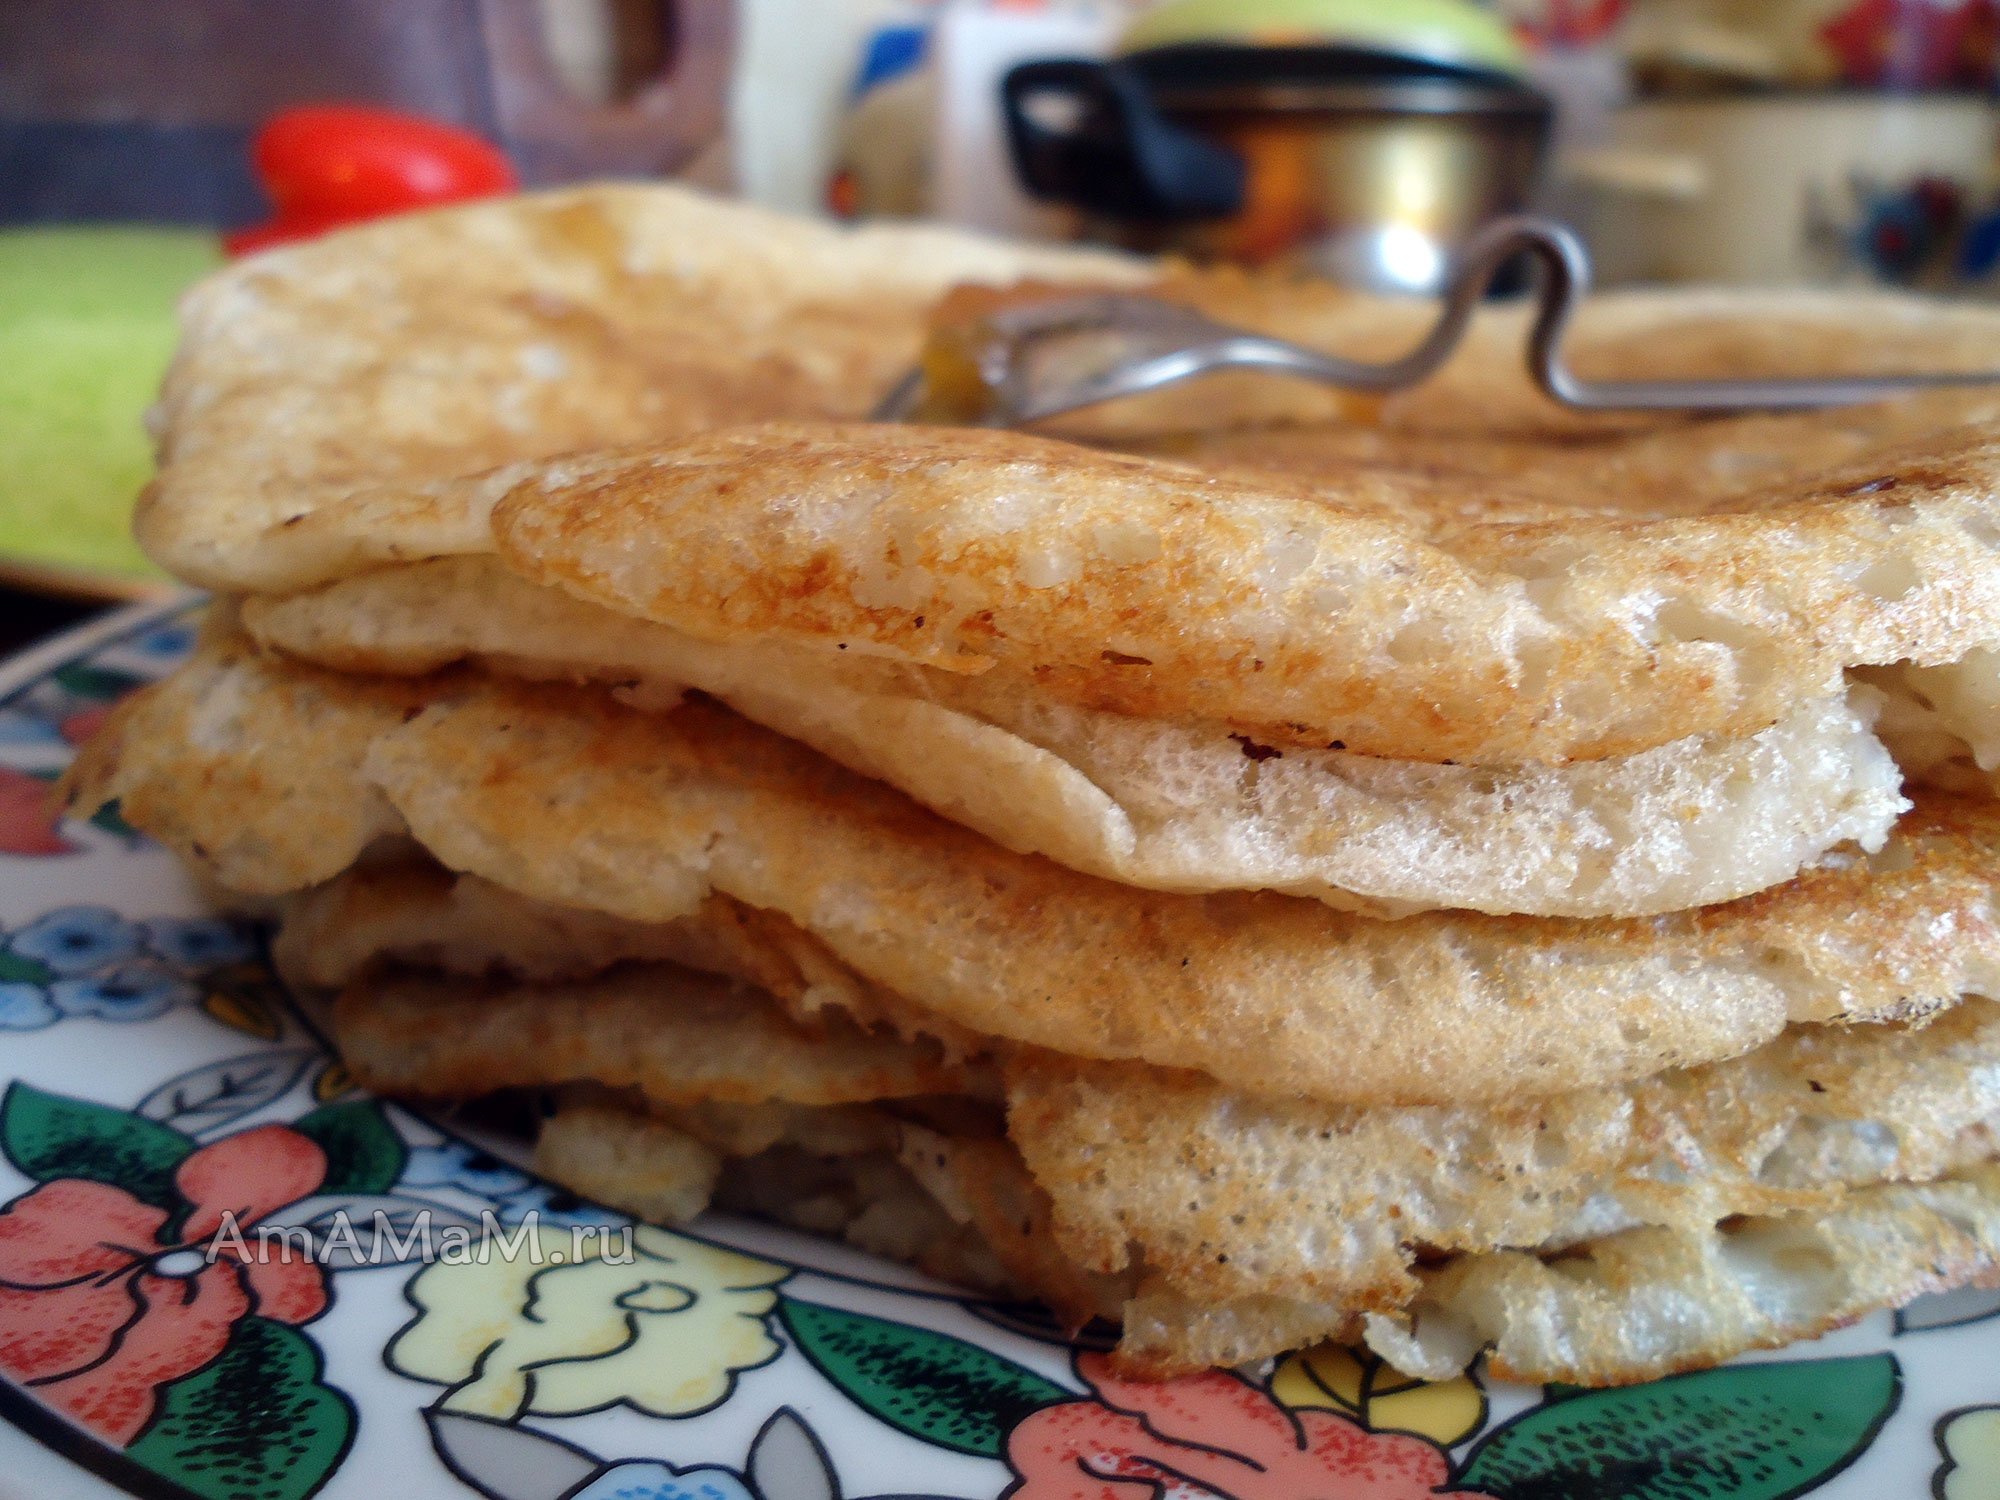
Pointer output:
x,y
1186,344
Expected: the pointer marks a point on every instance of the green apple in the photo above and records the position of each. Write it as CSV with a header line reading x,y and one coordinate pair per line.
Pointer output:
x,y
86,328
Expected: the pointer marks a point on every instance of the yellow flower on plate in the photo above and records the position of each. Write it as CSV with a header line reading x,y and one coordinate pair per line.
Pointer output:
x,y
665,1330
1971,1444
244,1012
1361,1387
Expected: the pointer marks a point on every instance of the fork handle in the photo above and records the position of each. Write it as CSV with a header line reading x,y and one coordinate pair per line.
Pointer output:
x,y
1564,282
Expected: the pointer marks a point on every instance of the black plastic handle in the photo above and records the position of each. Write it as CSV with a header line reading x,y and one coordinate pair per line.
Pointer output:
x,y
1087,133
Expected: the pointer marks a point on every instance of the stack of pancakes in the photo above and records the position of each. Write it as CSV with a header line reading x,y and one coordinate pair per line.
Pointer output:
x,y
1254,865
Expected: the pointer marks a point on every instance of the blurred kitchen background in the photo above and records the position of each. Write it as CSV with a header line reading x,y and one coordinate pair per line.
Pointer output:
x,y
1818,142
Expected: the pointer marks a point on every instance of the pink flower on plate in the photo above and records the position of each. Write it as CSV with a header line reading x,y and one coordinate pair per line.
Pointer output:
x,y
1211,1435
100,1306
85,722
28,816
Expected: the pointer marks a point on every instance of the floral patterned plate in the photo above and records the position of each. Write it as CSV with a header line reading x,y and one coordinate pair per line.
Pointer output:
x,y
224,1273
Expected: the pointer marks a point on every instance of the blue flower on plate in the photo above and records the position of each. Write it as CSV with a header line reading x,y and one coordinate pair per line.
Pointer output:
x,y
131,992
198,942
786,1462
166,644
78,939
645,1479
456,1164
553,1205
24,1007
45,700
17,728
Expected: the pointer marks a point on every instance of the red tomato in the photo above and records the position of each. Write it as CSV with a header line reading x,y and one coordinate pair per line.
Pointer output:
x,y
330,164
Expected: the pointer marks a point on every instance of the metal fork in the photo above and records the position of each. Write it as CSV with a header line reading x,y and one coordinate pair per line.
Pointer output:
x,y
1176,343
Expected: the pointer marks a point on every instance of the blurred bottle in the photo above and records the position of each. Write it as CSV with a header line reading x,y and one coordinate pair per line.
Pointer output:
x,y
922,132
882,164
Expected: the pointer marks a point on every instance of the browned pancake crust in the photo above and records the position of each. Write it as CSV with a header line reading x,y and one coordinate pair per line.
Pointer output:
x,y
563,795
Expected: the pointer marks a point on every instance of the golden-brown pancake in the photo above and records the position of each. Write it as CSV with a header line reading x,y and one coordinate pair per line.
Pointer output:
x,y
1499,581
328,399
399,908
1360,609
563,795
1165,804
1156,1170
1651,1302
676,1036
1604,1235
1217,1198
852,1171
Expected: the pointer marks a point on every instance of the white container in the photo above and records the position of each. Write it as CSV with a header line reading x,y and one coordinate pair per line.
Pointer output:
x,y
1773,188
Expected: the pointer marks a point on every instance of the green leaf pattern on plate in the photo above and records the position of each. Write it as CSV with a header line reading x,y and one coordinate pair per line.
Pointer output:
x,y
363,1152
256,1424
49,1136
930,1385
1743,1432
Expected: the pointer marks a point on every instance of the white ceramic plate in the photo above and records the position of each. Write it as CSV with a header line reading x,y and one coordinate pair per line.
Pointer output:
x,y
226,1274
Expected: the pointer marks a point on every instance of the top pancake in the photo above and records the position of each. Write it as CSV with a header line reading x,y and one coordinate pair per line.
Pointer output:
x,y
1365,607
366,372
1474,574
